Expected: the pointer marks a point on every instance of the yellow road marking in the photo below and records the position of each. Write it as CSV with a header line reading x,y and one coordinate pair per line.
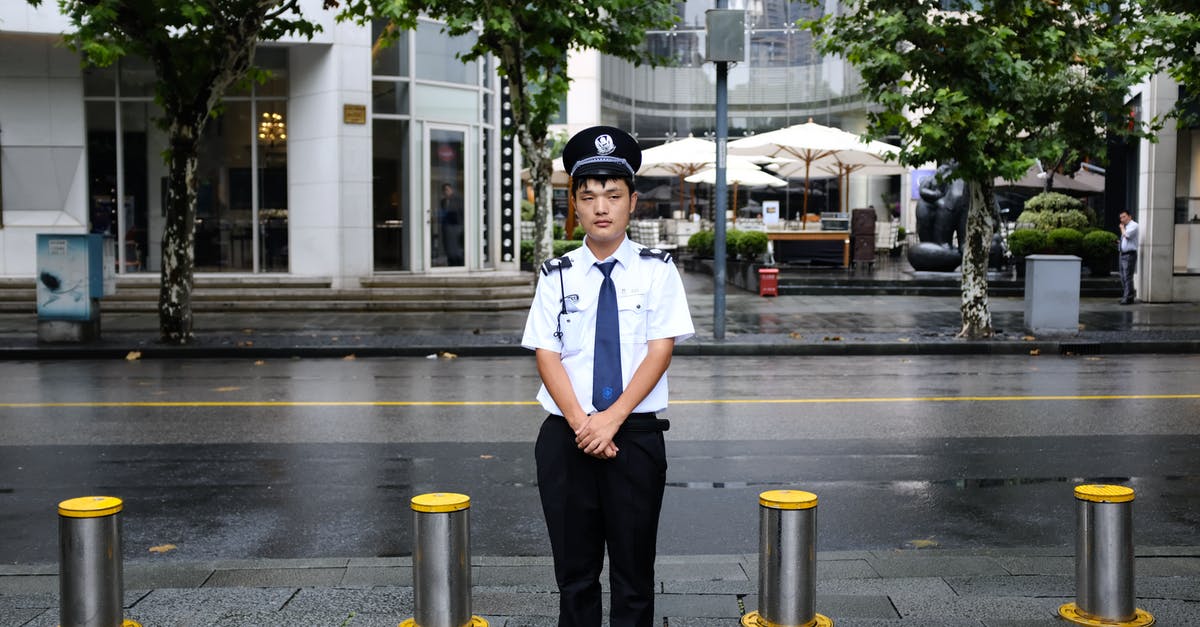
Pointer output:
x,y
731,401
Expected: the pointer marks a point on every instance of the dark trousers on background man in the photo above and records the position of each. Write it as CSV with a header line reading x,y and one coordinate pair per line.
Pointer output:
x,y
1128,265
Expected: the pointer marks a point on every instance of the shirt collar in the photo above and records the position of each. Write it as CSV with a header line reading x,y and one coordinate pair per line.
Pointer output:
x,y
624,253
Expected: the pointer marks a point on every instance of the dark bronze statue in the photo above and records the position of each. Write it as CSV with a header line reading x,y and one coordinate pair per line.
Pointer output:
x,y
941,214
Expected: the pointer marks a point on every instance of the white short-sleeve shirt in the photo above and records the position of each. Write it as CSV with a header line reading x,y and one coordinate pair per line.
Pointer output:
x,y
651,303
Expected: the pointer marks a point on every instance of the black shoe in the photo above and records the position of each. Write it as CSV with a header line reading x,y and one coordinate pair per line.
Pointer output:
x,y
1126,302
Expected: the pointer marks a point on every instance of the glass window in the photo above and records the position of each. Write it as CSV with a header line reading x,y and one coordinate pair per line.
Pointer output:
x,y
436,56
99,81
446,104
390,193
389,97
447,180
388,60
224,201
275,61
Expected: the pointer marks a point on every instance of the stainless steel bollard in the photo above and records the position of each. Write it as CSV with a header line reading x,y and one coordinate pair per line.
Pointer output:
x,y
90,578
442,562
1104,590
787,561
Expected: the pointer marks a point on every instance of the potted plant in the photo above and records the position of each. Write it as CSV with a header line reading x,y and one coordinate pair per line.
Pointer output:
x,y
1064,241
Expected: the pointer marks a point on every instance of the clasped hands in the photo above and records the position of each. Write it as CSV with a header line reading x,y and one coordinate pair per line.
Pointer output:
x,y
595,434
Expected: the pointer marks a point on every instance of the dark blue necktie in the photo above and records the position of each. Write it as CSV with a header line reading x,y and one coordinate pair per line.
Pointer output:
x,y
606,367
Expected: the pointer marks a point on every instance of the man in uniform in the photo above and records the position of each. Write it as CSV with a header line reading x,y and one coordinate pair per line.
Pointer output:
x,y
603,324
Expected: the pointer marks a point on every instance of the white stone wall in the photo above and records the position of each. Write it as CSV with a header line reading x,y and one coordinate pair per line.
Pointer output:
x,y
329,162
42,159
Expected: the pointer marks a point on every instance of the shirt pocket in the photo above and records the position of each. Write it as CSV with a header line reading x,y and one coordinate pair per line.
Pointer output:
x,y
572,333
631,311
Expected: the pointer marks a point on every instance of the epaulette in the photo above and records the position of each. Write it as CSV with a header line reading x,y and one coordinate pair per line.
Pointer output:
x,y
556,263
657,253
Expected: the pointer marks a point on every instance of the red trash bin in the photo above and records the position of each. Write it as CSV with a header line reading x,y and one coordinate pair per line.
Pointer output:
x,y
768,281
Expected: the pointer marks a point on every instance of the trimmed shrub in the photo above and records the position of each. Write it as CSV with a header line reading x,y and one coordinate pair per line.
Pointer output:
x,y
1025,242
753,245
1064,241
578,233
733,243
564,246
1099,249
1053,202
1048,220
701,243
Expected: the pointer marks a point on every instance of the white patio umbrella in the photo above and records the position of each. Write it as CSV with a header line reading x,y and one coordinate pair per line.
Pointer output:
x,y
810,144
738,173
683,158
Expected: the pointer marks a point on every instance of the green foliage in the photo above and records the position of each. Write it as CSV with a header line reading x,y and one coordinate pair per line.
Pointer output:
x,y
559,248
1053,201
752,245
1064,241
564,246
701,243
560,232
1173,34
1098,250
1020,79
1049,220
733,238
578,233
526,211
1025,242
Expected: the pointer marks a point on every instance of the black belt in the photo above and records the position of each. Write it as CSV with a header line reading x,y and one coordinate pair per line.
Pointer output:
x,y
641,422
1128,252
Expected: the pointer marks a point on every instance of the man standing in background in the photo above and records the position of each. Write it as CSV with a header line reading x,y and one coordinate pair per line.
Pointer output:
x,y
1129,247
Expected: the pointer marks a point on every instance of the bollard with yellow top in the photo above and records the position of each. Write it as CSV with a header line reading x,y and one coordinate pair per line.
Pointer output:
x,y
787,561
90,578
1104,560
442,562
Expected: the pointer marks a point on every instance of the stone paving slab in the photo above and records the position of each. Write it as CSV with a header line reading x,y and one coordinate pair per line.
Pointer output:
x,y
912,565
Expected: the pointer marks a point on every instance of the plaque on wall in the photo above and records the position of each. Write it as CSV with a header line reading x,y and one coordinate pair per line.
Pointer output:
x,y
354,114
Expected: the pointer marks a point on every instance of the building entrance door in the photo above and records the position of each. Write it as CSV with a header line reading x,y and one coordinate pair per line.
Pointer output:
x,y
448,228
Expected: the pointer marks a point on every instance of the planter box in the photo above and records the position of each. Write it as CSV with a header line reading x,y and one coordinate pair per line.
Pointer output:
x,y
1052,293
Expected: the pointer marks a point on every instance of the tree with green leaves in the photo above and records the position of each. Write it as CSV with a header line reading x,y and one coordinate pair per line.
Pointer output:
x,y
199,49
530,42
989,85
1173,28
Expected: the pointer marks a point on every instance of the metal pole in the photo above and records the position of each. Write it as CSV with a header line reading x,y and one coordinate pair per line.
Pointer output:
x,y
1104,590
787,561
442,562
722,202
90,578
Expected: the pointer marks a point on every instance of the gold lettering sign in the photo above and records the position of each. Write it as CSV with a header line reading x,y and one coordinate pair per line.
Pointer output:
x,y
354,114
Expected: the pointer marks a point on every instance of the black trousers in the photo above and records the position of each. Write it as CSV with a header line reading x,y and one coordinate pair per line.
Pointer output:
x,y
591,504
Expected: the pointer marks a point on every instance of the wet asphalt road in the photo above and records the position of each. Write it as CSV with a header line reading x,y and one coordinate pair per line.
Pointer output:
x,y
313,458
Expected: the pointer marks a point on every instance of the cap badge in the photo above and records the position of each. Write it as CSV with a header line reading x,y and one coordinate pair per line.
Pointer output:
x,y
605,145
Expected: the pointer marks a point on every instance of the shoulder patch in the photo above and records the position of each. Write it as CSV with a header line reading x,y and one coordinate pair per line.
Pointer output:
x,y
556,263
657,253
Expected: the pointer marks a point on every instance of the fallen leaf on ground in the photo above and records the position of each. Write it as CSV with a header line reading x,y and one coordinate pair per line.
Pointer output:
x,y
487,456
795,336
133,356
1029,338
350,357
833,338
227,388
903,339
1035,352
447,355
163,548
248,331
259,362
923,544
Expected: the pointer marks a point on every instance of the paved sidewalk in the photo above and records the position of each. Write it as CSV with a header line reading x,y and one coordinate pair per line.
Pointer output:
x,y
785,325
930,587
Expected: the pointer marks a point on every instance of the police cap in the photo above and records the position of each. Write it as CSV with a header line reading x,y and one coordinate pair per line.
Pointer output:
x,y
602,151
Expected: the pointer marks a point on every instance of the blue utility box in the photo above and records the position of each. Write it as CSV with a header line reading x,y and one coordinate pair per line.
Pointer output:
x,y
74,271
